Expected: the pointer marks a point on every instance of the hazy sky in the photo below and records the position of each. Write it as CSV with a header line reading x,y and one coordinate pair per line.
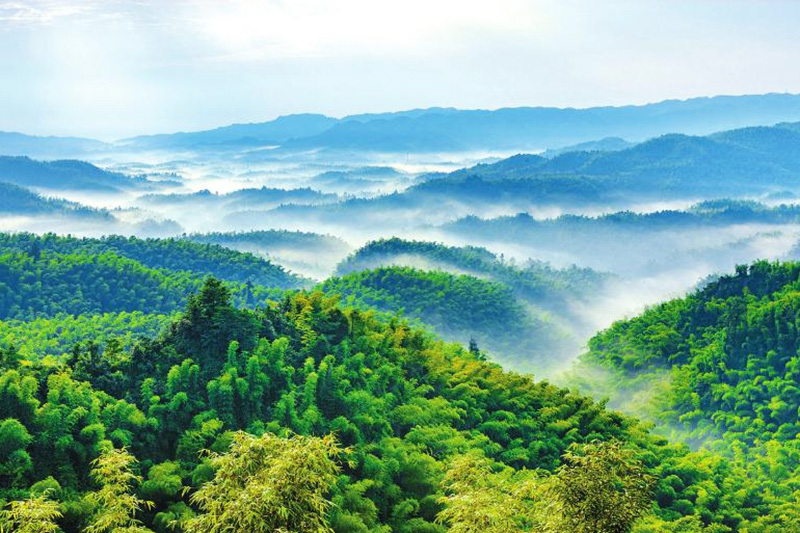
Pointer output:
x,y
114,68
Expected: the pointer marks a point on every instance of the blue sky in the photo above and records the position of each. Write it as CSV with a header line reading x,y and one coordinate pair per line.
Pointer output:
x,y
115,68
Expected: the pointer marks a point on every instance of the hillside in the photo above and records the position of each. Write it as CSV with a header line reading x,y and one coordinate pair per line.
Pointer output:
x,y
178,255
67,175
45,284
61,334
717,369
524,128
728,354
460,308
533,278
643,243
404,403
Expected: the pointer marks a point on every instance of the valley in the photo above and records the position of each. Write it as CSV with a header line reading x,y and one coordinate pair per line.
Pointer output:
x,y
624,294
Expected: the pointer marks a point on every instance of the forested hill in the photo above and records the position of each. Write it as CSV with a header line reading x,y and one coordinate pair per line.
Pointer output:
x,y
535,280
173,254
736,162
730,351
413,411
47,284
43,276
67,175
461,308
522,315
720,369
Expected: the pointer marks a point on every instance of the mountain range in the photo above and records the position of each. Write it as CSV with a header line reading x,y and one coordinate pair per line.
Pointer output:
x,y
445,129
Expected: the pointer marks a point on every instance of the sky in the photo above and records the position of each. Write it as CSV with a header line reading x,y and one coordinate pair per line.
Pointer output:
x,y
110,69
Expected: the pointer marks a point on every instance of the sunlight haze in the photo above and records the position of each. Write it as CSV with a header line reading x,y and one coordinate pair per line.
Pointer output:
x,y
111,69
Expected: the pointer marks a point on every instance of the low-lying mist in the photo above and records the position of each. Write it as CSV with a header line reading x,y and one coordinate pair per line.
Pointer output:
x,y
308,211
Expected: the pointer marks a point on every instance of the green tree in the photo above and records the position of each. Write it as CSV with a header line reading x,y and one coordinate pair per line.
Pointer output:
x,y
34,515
116,503
482,500
600,488
267,484
15,462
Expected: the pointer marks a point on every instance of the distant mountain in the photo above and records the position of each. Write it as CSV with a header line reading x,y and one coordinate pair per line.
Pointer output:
x,y
360,181
531,129
263,198
754,160
273,132
66,175
627,242
608,144
523,128
16,144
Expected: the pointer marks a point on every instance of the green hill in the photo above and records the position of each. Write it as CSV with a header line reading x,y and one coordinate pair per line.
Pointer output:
x,y
460,308
174,254
535,281
404,403
718,369
730,351
48,284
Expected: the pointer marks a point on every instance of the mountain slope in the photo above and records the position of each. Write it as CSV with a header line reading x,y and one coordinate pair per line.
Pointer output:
x,y
66,175
46,284
730,351
525,128
535,282
754,160
463,308
18,144
174,254
404,404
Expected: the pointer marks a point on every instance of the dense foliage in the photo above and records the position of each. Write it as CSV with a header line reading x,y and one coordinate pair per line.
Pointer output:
x,y
722,367
401,401
173,254
58,335
459,307
271,239
45,284
534,280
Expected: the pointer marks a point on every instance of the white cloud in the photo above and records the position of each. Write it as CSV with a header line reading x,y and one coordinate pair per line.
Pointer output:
x,y
151,65
247,30
38,12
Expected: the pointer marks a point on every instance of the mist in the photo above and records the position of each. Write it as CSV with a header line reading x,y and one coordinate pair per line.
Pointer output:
x,y
309,210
